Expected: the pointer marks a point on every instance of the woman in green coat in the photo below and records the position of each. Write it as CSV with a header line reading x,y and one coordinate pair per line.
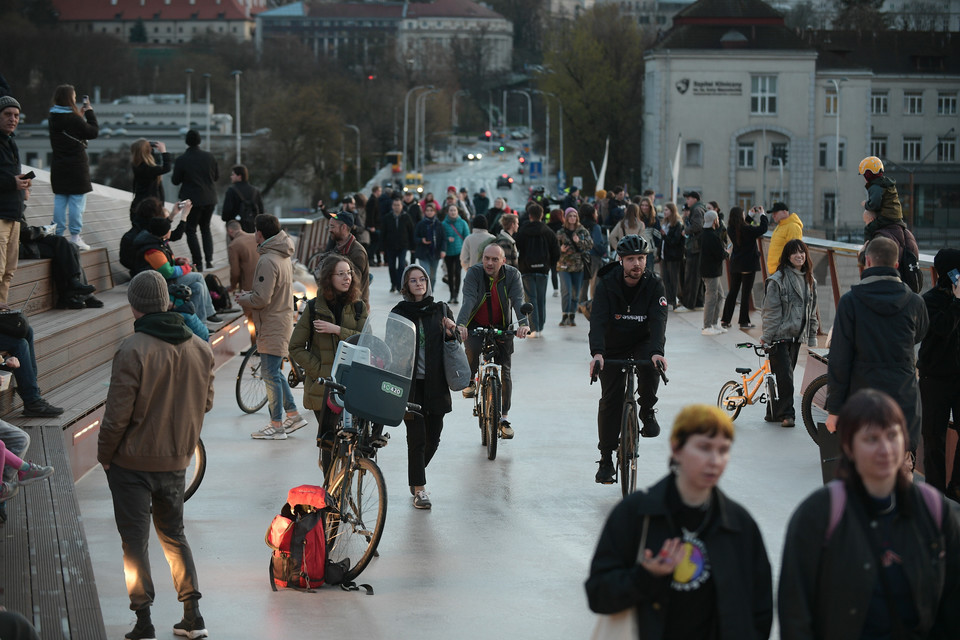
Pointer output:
x,y
335,314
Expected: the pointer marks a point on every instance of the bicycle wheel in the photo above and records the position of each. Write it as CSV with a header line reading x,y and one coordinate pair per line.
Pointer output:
x,y
731,398
812,403
627,452
355,523
198,467
251,389
480,412
491,403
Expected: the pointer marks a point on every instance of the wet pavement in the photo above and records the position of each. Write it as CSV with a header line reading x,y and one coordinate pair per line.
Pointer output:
x,y
505,549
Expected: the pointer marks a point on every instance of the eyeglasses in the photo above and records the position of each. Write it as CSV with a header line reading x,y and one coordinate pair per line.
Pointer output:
x,y
418,281
344,274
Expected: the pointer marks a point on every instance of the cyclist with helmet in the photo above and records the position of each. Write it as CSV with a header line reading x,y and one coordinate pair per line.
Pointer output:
x,y
180,295
628,319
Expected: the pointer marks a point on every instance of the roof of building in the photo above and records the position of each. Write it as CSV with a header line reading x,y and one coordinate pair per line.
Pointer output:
x,y
414,10
730,24
294,9
450,9
712,10
888,52
106,10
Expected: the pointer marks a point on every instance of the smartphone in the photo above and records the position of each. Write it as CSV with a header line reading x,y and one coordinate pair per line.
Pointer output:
x,y
32,175
85,99
954,276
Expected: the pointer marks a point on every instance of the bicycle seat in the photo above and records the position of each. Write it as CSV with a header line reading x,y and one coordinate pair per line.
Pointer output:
x,y
744,370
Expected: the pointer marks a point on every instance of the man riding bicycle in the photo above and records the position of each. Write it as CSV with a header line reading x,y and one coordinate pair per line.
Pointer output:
x,y
628,320
490,289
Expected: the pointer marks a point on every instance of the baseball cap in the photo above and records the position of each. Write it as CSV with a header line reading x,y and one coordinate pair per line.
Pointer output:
x,y
342,216
779,206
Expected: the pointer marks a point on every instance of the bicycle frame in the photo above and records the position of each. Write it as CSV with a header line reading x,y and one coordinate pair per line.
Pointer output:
x,y
762,372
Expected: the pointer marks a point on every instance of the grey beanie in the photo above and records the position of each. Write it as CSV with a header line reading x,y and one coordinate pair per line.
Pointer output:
x,y
9,101
148,293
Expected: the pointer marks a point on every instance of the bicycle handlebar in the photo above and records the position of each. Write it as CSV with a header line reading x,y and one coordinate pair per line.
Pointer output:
x,y
492,331
412,407
628,362
761,349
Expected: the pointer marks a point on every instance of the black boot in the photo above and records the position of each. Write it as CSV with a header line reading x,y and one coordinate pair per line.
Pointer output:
x,y
143,630
651,428
606,474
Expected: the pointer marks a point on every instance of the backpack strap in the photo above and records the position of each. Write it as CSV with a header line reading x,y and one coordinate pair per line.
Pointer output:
x,y
273,583
838,502
934,502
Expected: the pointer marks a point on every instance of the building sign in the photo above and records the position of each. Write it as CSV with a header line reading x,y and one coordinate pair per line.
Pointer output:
x,y
710,87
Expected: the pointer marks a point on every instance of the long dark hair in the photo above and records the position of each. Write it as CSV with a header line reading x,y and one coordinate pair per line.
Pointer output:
x,y
792,247
735,223
325,280
867,408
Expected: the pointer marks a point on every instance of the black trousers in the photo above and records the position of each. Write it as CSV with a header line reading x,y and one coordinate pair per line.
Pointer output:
x,y
200,216
613,384
744,283
783,360
423,438
938,397
691,295
64,263
454,273
503,356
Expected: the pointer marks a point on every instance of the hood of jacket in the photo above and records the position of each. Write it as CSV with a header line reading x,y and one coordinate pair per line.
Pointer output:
x,y
280,244
792,219
406,293
882,291
167,326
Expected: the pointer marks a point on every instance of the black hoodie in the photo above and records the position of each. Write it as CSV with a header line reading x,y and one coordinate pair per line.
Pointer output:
x,y
621,326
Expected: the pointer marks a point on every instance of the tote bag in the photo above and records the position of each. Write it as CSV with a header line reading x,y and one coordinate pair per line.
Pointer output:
x,y
455,364
623,624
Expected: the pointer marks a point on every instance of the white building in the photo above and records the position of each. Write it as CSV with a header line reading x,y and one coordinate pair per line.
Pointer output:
x,y
754,107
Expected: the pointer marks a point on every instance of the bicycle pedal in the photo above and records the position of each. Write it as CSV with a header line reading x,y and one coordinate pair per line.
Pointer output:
x,y
476,411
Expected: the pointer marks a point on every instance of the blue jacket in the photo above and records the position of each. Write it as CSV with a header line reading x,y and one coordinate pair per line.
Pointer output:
x,y
455,241
431,229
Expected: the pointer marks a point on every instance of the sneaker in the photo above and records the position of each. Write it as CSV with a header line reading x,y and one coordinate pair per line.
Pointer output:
x,y
93,303
606,474
78,288
572,322
506,431
748,325
724,325
8,490
294,422
721,329
71,302
142,631
209,264
270,432
470,391
214,319
33,473
40,408
191,628
556,294
788,423
198,267
421,500
680,309
651,428
710,331
80,244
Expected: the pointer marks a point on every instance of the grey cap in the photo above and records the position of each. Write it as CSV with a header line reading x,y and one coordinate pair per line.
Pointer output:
x,y
9,101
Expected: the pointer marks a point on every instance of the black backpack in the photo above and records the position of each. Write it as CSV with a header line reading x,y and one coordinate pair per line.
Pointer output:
x,y
128,257
218,292
909,266
248,213
536,252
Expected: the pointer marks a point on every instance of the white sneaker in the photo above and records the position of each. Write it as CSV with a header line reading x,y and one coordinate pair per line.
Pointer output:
x,y
294,422
719,328
81,245
711,331
270,432
556,294
680,309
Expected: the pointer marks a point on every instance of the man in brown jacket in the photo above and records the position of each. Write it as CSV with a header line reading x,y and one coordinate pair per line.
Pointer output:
x,y
271,301
161,385
243,255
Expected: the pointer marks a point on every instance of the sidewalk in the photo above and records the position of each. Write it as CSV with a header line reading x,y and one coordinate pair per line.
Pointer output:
x,y
505,549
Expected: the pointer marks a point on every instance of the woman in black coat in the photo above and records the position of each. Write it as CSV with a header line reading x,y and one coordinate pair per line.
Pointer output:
x,y
70,128
744,264
434,325
147,174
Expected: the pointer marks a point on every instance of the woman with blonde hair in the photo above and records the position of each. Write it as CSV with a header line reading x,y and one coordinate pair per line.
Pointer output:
x,y
147,174
629,226
70,127
689,560
671,253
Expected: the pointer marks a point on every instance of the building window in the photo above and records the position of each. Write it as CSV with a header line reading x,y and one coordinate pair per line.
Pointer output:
x,y
879,103
829,207
822,155
825,157
878,146
782,196
746,155
694,154
745,200
946,150
763,95
779,150
913,103
946,104
830,106
911,149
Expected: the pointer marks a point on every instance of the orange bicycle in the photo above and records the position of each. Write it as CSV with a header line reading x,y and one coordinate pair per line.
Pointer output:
x,y
735,395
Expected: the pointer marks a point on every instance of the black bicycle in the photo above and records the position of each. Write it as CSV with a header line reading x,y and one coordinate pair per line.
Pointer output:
x,y
251,390
629,446
195,470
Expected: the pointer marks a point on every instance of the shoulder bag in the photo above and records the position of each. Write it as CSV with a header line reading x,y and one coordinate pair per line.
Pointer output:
x,y
623,624
456,367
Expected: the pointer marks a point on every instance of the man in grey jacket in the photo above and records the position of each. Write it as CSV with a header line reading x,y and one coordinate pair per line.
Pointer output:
x,y
491,291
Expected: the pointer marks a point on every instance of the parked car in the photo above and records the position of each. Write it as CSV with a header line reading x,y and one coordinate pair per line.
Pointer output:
x,y
504,182
470,156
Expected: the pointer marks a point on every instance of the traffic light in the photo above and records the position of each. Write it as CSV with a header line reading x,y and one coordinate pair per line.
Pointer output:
x,y
502,148
487,134
522,159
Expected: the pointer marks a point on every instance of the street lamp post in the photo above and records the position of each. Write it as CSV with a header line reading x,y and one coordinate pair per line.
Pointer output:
x,y
454,123
406,120
420,129
206,78
529,112
236,74
189,98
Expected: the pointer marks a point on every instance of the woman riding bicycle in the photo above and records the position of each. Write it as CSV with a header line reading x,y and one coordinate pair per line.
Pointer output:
x,y
689,560
434,325
789,315
335,314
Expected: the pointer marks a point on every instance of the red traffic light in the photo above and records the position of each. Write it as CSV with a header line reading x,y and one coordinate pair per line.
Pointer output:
x,y
522,159
487,134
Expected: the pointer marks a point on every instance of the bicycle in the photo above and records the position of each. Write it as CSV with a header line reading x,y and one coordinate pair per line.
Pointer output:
x,y
812,405
736,395
356,490
489,388
251,390
195,470
629,445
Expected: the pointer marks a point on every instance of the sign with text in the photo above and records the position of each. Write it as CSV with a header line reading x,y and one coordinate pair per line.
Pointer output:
x,y
709,87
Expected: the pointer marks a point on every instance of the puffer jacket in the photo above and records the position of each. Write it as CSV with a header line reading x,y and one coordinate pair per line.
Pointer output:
x,y
790,228
883,199
69,167
315,351
271,298
790,308
573,261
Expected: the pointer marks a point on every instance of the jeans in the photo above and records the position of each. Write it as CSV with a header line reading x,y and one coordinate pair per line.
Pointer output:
x,y
423,437
454,271
613,386
135,494
200,216
16,441
76,204
397,262
503,356
279,396
535,292
783,360
572,281
744,283
713,299
670,272
200,295
430,266
939,396
26,374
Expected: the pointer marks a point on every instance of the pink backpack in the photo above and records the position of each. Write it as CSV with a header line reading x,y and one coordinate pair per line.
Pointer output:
x,y
838,502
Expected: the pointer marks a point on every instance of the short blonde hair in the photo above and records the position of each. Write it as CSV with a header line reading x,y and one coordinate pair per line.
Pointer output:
x,y
700,419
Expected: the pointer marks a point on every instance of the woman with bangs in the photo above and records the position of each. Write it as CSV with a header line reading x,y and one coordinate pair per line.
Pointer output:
x,y
687,558
147,174
874,555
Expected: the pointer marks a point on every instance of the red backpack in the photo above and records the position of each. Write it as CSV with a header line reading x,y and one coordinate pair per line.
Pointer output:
x,y
297,538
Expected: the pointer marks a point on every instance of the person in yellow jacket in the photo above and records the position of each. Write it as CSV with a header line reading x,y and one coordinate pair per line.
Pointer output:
x,y
788,227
